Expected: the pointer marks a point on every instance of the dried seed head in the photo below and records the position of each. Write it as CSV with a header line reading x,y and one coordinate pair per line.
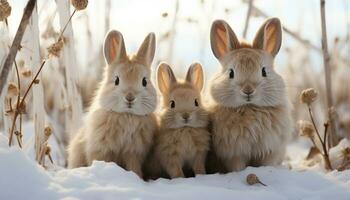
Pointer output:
x,y
252,179
55,48
47,131
12,90
36,81
47,150
27,73
306,129
5,10
308,96
79,4
22,107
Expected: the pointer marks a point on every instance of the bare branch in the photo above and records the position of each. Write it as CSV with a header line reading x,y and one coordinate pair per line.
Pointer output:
x,y
28,10
327,71
249,13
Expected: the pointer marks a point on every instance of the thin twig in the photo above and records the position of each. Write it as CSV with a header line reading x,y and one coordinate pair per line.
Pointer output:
x,y
324,146
65,26
313,123
323,142
28,10
17,111
13,126
327,71
18,139
33,81
18,83
249,12
326,125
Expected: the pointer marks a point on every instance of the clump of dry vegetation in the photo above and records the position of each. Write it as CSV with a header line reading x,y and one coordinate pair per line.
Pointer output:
x,y
308,129
15,101
254,179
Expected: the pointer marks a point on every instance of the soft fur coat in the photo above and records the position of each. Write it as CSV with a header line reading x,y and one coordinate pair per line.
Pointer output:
x,y
250,135
120,124
119,137
176,148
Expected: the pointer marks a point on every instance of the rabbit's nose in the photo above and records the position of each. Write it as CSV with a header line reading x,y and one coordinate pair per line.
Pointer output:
x,y
185,116
248,90
130,97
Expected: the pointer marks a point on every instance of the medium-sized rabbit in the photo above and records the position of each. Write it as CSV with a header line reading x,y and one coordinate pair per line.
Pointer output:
x,y
251,120
183,138
120,124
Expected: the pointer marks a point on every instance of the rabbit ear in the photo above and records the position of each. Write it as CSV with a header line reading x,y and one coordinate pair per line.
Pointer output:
x,y
146,51
114,47
222,38
195,76
269,36
165,77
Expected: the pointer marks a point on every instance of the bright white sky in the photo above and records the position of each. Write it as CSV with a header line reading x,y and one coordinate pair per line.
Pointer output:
x,y
136,18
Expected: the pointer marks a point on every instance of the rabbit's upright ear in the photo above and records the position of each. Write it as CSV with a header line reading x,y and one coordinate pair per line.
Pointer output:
x,y
195,76
165,77
269,36
114,47
222,38
145,54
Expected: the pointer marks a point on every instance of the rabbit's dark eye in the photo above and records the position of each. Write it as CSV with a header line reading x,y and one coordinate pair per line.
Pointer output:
x,y
144,82
196,103
172,104
263,72
232,74
116,82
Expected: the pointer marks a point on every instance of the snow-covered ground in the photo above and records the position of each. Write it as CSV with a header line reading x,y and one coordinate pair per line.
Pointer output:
x,y
22,178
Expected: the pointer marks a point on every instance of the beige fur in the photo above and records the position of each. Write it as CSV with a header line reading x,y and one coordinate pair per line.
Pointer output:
x,y
183,139
251,120
120,125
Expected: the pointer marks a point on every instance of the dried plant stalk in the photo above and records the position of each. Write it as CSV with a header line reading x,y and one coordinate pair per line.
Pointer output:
x,y
16,43
39,113
74,108
249,13
325,150
307,97
328,78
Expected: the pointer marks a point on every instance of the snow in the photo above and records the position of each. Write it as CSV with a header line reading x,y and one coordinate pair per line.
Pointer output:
x,y
22,178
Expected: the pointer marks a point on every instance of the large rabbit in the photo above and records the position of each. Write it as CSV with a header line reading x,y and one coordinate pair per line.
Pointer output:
x,y
183,139
120,123
251,120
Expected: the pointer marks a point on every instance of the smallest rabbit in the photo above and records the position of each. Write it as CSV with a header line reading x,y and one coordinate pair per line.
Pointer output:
x,y
183,139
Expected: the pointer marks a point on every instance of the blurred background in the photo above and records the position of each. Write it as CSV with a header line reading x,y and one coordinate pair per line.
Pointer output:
x,y
182,30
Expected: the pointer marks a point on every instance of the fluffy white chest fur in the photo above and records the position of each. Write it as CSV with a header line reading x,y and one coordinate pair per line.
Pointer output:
x,y
183,142
250,135
120,132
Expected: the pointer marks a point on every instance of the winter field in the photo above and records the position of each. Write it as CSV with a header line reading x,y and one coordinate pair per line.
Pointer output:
x,y
55,66
22,178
